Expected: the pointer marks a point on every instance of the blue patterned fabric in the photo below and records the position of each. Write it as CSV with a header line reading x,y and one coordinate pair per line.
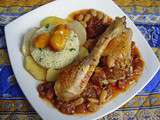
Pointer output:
x,y
144,106
153,84
151,33
14,99
2,37
8,85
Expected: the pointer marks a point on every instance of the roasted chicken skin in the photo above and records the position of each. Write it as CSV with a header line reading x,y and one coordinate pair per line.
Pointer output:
x,y
73,79
118,51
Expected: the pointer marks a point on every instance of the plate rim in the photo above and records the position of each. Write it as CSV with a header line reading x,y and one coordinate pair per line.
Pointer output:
x,y
11,59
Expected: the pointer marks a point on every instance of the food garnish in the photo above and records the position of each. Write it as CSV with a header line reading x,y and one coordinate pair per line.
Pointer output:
x,y
41,41
59,37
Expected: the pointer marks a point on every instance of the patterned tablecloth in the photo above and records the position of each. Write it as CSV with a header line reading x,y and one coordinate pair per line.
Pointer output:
x,y
144,106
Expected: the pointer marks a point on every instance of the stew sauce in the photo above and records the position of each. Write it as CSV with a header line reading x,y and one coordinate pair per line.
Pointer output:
x,y
101,84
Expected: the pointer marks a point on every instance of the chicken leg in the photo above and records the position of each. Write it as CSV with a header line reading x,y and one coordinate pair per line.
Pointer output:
x,y
74,78
119,49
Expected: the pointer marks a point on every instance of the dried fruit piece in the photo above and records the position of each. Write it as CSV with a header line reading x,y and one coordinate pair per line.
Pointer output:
x,y
59,37
41,41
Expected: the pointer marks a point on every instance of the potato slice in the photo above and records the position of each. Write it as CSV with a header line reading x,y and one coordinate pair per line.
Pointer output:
x,y
80,30
34,69
52,74
26,42
83,52
53,21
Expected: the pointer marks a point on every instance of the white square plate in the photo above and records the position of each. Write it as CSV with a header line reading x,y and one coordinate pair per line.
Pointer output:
x,y
15,30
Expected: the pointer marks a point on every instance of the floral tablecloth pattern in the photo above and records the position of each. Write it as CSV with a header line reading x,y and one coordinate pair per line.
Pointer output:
x,y
144,106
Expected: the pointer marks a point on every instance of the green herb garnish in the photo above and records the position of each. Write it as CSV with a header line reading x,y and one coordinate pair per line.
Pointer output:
x,y
47,26
40,59
40,49
74,35
72,49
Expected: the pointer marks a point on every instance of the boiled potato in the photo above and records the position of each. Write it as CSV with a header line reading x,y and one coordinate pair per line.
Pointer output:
x,y
34,69
26,41
80,30
53,21
83,52
52,74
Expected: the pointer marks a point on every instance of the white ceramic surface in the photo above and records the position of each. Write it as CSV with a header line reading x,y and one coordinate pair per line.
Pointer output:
x,y
15,30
